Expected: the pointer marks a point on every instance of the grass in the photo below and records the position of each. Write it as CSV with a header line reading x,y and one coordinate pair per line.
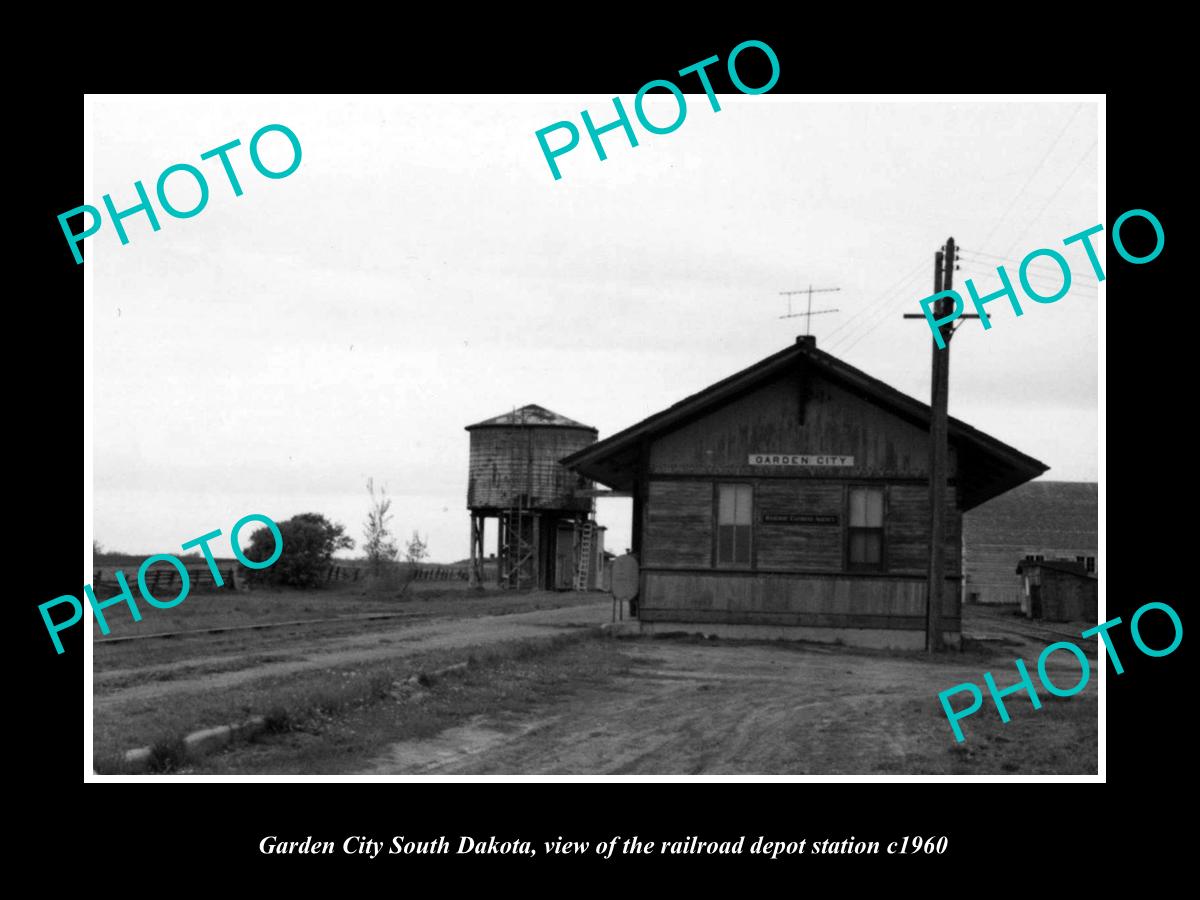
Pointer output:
x,y
1060,738
516,678
309,701
225,608
183,670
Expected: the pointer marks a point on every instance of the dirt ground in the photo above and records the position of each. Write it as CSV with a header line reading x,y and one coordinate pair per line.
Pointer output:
x,y
693,706
688,707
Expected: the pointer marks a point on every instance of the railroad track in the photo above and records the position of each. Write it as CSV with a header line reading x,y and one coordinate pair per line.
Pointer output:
x,y
166,635
1027,628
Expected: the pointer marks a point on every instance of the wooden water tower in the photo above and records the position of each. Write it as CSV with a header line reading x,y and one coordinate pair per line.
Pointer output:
x,y
546,536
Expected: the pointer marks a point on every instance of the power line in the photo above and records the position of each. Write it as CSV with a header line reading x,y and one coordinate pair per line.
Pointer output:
x,y
1039,278
1048,274
1008,259
844,347
1057,191
1036,169
853,337
848,340
887,292
1016,262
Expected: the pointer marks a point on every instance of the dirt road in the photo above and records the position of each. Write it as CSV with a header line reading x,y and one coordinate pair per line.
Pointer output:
x,y
718,708
204,671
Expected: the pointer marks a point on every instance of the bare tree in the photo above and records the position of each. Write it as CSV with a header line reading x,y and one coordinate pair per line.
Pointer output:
x,y
380,548
416,549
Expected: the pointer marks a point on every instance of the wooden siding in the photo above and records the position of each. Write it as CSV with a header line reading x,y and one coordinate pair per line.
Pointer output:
x,y
906,523
785,599
799,546
768,420
678,527
508,462
679,519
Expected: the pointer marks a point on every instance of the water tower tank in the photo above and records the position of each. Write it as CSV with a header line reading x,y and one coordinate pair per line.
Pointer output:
x,y
515,462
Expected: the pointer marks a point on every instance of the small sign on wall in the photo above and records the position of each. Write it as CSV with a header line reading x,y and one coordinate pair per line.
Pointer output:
x,y
798,519
800,459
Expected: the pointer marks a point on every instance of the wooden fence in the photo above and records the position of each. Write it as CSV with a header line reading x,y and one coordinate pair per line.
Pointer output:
x,y
422,573
163,580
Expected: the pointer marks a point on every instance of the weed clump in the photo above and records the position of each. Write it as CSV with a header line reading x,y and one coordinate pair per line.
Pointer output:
x,y
278,721
167,754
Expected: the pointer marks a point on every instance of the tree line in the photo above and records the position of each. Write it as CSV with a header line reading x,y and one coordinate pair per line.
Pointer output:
x,y
310,540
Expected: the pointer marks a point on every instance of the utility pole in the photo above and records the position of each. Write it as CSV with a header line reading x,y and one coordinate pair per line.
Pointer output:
x,y
943,280
807,315
938,452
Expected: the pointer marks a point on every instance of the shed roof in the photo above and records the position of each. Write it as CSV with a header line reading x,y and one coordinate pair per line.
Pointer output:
x,y
987,466
1058,565
533,416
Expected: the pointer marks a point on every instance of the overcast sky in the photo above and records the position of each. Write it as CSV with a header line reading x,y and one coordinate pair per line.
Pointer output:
x,y
422,270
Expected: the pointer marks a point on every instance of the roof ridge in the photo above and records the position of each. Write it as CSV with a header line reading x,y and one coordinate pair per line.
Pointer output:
x,y
748,378
531,415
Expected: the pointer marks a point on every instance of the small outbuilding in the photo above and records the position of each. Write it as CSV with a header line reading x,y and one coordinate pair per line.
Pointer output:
x,y
1035,521
1057,590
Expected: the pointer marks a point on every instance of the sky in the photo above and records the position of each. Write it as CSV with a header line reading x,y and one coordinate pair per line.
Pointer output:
x,y
422,270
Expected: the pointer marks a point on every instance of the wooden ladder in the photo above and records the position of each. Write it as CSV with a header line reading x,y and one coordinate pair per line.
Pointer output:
x,y
583,565
517,549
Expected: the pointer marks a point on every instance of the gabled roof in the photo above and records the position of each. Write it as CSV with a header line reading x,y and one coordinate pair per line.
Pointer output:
x,y
533,416
987,466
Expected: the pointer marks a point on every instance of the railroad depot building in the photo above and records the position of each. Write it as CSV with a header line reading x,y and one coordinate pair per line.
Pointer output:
x,y
792,500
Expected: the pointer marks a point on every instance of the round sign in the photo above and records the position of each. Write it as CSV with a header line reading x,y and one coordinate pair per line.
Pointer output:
x,y
625,577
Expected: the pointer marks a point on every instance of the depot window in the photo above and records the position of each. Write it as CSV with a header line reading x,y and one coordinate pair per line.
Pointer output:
x,y
735,515
864,537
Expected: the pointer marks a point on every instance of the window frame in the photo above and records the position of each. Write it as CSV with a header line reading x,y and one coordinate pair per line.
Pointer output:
x,y
848,530
717,562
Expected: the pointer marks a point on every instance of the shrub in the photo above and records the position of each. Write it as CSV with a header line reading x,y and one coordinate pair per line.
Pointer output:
x,y
309,542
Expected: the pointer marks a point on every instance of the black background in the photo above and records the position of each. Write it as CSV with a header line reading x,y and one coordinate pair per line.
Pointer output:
x,y
211,831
